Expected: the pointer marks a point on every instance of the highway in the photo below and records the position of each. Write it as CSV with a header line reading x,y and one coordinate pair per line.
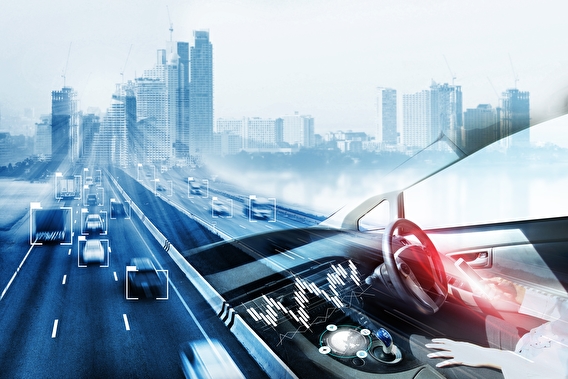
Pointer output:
x,y
62,320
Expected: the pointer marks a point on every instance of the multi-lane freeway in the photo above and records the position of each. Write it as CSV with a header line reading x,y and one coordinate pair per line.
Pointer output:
x,y
61,319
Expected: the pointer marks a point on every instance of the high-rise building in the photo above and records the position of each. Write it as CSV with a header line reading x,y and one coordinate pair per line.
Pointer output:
x,y
447,110
515,116
64,126
201,95
90,126
42,139
386,132
480,127
430,113
179,78
263,133
417,120
113,144
298,130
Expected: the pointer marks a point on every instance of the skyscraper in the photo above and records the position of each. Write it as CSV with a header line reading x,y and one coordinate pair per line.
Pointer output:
x,y
386,106
63,125
417,120
447,112
515,116
201,95
179,60
428,114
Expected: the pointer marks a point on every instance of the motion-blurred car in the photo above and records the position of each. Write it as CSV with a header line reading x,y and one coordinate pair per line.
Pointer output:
x,y
144,281
207,359
94,224
259,208
93,252
219,208
318,297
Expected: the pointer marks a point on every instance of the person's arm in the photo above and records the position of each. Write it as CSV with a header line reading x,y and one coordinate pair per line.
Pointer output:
x,y
511,364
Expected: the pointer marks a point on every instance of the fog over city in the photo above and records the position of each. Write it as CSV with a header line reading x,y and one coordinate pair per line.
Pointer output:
x,y
323,58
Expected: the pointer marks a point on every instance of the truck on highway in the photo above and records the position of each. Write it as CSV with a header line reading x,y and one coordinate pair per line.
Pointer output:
x,y
68,187
50,225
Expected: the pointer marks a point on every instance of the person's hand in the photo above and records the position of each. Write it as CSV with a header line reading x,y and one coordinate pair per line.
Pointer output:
x,y
463,353
502,289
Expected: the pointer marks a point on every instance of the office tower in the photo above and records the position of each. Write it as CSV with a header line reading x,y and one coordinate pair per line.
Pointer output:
x,y
42,139
179,58
152,112
515,116
201,95
64,125
110,145
298,130
263,133
431,113
126,93
447,111
90,125
417,120
386,106
480,126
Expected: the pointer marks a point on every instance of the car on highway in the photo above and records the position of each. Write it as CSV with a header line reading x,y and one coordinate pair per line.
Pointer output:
x,y
94,224
207,359
143,279
465,243
259,209
219,208
93,252
92,199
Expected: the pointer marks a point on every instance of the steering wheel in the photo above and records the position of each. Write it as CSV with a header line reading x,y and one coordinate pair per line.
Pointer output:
x,y
401,276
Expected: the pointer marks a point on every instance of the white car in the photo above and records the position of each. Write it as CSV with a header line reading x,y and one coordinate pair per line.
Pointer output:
x,y
208,360
93,251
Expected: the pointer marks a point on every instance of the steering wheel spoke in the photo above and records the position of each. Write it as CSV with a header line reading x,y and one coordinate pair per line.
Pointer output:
x,y
405,282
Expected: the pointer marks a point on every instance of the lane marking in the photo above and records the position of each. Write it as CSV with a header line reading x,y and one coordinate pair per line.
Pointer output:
x,y
54,331
16,273
126,324
69,252
115,277
64,279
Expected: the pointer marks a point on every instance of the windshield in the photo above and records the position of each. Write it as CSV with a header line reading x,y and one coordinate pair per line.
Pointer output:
x,y
499,183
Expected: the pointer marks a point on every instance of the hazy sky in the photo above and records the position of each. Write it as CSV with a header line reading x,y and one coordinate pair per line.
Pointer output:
x,y
274,57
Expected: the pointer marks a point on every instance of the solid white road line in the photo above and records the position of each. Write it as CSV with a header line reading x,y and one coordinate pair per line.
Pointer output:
x,y
126,324
54,332
64,279
16,273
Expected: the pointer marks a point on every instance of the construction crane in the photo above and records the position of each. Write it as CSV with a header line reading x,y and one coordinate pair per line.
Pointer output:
x,y
514,73
124,68
171,24
450,70
63,75
494,90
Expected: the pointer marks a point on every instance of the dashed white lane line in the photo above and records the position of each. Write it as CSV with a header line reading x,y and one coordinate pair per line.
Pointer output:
x,y
54,331
115,277
69,252
126,324
64,279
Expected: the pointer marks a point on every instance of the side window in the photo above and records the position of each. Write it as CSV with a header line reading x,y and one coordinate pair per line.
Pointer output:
x,y
376,218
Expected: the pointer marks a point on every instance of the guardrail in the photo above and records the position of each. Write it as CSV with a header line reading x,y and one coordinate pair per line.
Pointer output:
x,y
259,350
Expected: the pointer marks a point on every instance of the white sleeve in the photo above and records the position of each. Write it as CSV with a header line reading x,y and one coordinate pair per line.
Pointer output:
x,y
542,305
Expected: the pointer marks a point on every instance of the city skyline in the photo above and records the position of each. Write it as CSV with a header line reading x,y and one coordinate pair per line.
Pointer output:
x,y
325,59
